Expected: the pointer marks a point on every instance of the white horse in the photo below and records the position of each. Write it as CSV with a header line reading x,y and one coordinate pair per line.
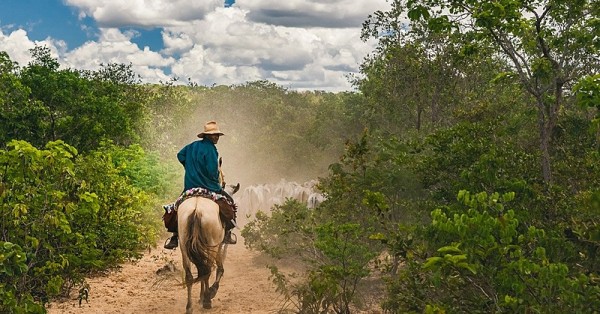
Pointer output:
x,y
201,235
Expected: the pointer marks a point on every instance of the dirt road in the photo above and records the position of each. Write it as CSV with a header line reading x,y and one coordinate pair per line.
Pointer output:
x,y
137,288
148,286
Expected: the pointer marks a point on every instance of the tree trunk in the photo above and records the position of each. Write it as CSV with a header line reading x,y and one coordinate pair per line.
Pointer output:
x,y
419,113
544,148
545,125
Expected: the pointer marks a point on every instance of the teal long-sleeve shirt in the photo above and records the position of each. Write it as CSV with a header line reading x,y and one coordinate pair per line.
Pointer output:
x,y
200,161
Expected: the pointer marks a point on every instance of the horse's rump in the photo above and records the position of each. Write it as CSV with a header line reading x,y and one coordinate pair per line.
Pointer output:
x,y
200,232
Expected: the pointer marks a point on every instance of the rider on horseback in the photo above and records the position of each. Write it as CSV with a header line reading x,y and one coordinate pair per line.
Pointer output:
x,y
200,160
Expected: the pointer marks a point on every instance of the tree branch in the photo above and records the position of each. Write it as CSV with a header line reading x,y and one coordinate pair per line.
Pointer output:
x,y
509,50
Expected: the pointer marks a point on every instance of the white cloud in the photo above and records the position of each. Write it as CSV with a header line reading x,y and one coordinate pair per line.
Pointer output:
x,y
229,49
115,46
147,13
17,44
176,42
210,44
312,13
200,69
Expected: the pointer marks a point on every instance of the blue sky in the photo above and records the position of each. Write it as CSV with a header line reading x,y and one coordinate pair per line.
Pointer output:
x,y
300,44
44,18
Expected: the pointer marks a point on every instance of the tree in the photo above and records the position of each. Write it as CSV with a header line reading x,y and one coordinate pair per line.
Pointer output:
x,y
82,107
549,44
410,85
20,116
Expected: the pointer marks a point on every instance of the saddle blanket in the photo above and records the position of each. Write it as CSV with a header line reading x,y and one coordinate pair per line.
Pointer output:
x,y
202,192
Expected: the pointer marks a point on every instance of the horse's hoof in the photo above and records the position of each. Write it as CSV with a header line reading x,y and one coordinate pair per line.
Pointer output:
x,y
207,305
213,291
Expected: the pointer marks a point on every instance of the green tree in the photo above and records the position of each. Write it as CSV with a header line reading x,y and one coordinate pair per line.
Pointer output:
x,y
549,44
13,265
336,256
410,86
588,95
124,109
20,116
83,108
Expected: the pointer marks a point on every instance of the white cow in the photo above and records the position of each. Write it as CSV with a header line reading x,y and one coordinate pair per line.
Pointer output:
x,y
314,199
264,196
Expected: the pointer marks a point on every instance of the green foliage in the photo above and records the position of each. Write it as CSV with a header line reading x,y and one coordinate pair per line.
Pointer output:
x,y
493,156
472,155
345,248
20,116
144,170
287,231
12,267
422,80
532,39
487,261
588,95
336,256
70,214
331,283
78,107
588,91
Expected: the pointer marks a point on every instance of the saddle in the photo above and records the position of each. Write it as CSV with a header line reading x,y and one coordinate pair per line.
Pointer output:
x,y
227,208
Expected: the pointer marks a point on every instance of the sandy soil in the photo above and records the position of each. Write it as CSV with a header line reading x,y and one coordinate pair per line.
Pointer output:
x,y
149,285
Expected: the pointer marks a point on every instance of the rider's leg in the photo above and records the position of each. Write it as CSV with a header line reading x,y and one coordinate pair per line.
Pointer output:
x,y
228,235
229,224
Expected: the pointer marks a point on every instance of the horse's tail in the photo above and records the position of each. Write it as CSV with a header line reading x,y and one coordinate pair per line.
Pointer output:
x,y
196,246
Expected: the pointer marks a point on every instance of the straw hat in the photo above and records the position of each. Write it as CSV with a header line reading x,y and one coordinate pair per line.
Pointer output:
x,y
210,128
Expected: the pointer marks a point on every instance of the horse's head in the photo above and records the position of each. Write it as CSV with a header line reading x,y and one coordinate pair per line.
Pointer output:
x,y
232,189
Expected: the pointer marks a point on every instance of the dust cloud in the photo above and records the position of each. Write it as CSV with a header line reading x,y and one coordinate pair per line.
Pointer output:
x,y
252,155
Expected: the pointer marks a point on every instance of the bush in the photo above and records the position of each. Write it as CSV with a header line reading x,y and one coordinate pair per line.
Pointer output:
x,y
336,256
69,214
12,267
485,261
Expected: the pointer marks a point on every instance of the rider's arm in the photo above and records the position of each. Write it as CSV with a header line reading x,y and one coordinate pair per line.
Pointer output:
x,y
181,155
212,164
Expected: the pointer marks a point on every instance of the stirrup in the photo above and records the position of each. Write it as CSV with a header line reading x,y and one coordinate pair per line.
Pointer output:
x,y
172,244
231,239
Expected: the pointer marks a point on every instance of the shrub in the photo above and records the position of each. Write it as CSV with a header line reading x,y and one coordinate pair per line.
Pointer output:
x,y
67,214
485,260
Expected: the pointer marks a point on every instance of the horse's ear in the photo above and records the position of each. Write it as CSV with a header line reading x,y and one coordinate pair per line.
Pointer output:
x,y
235,188
231,189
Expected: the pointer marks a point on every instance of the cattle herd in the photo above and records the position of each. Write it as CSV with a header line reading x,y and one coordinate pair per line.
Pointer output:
x,y
264,196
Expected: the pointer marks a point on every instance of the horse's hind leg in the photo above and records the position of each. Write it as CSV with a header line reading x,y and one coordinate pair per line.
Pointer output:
x,y
205,298
189,281
215,286
220,270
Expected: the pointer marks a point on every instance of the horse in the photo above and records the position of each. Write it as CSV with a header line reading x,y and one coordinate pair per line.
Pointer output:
x,y
201,235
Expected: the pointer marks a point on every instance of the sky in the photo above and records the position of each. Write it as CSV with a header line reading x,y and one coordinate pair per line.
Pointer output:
x,y
297,44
